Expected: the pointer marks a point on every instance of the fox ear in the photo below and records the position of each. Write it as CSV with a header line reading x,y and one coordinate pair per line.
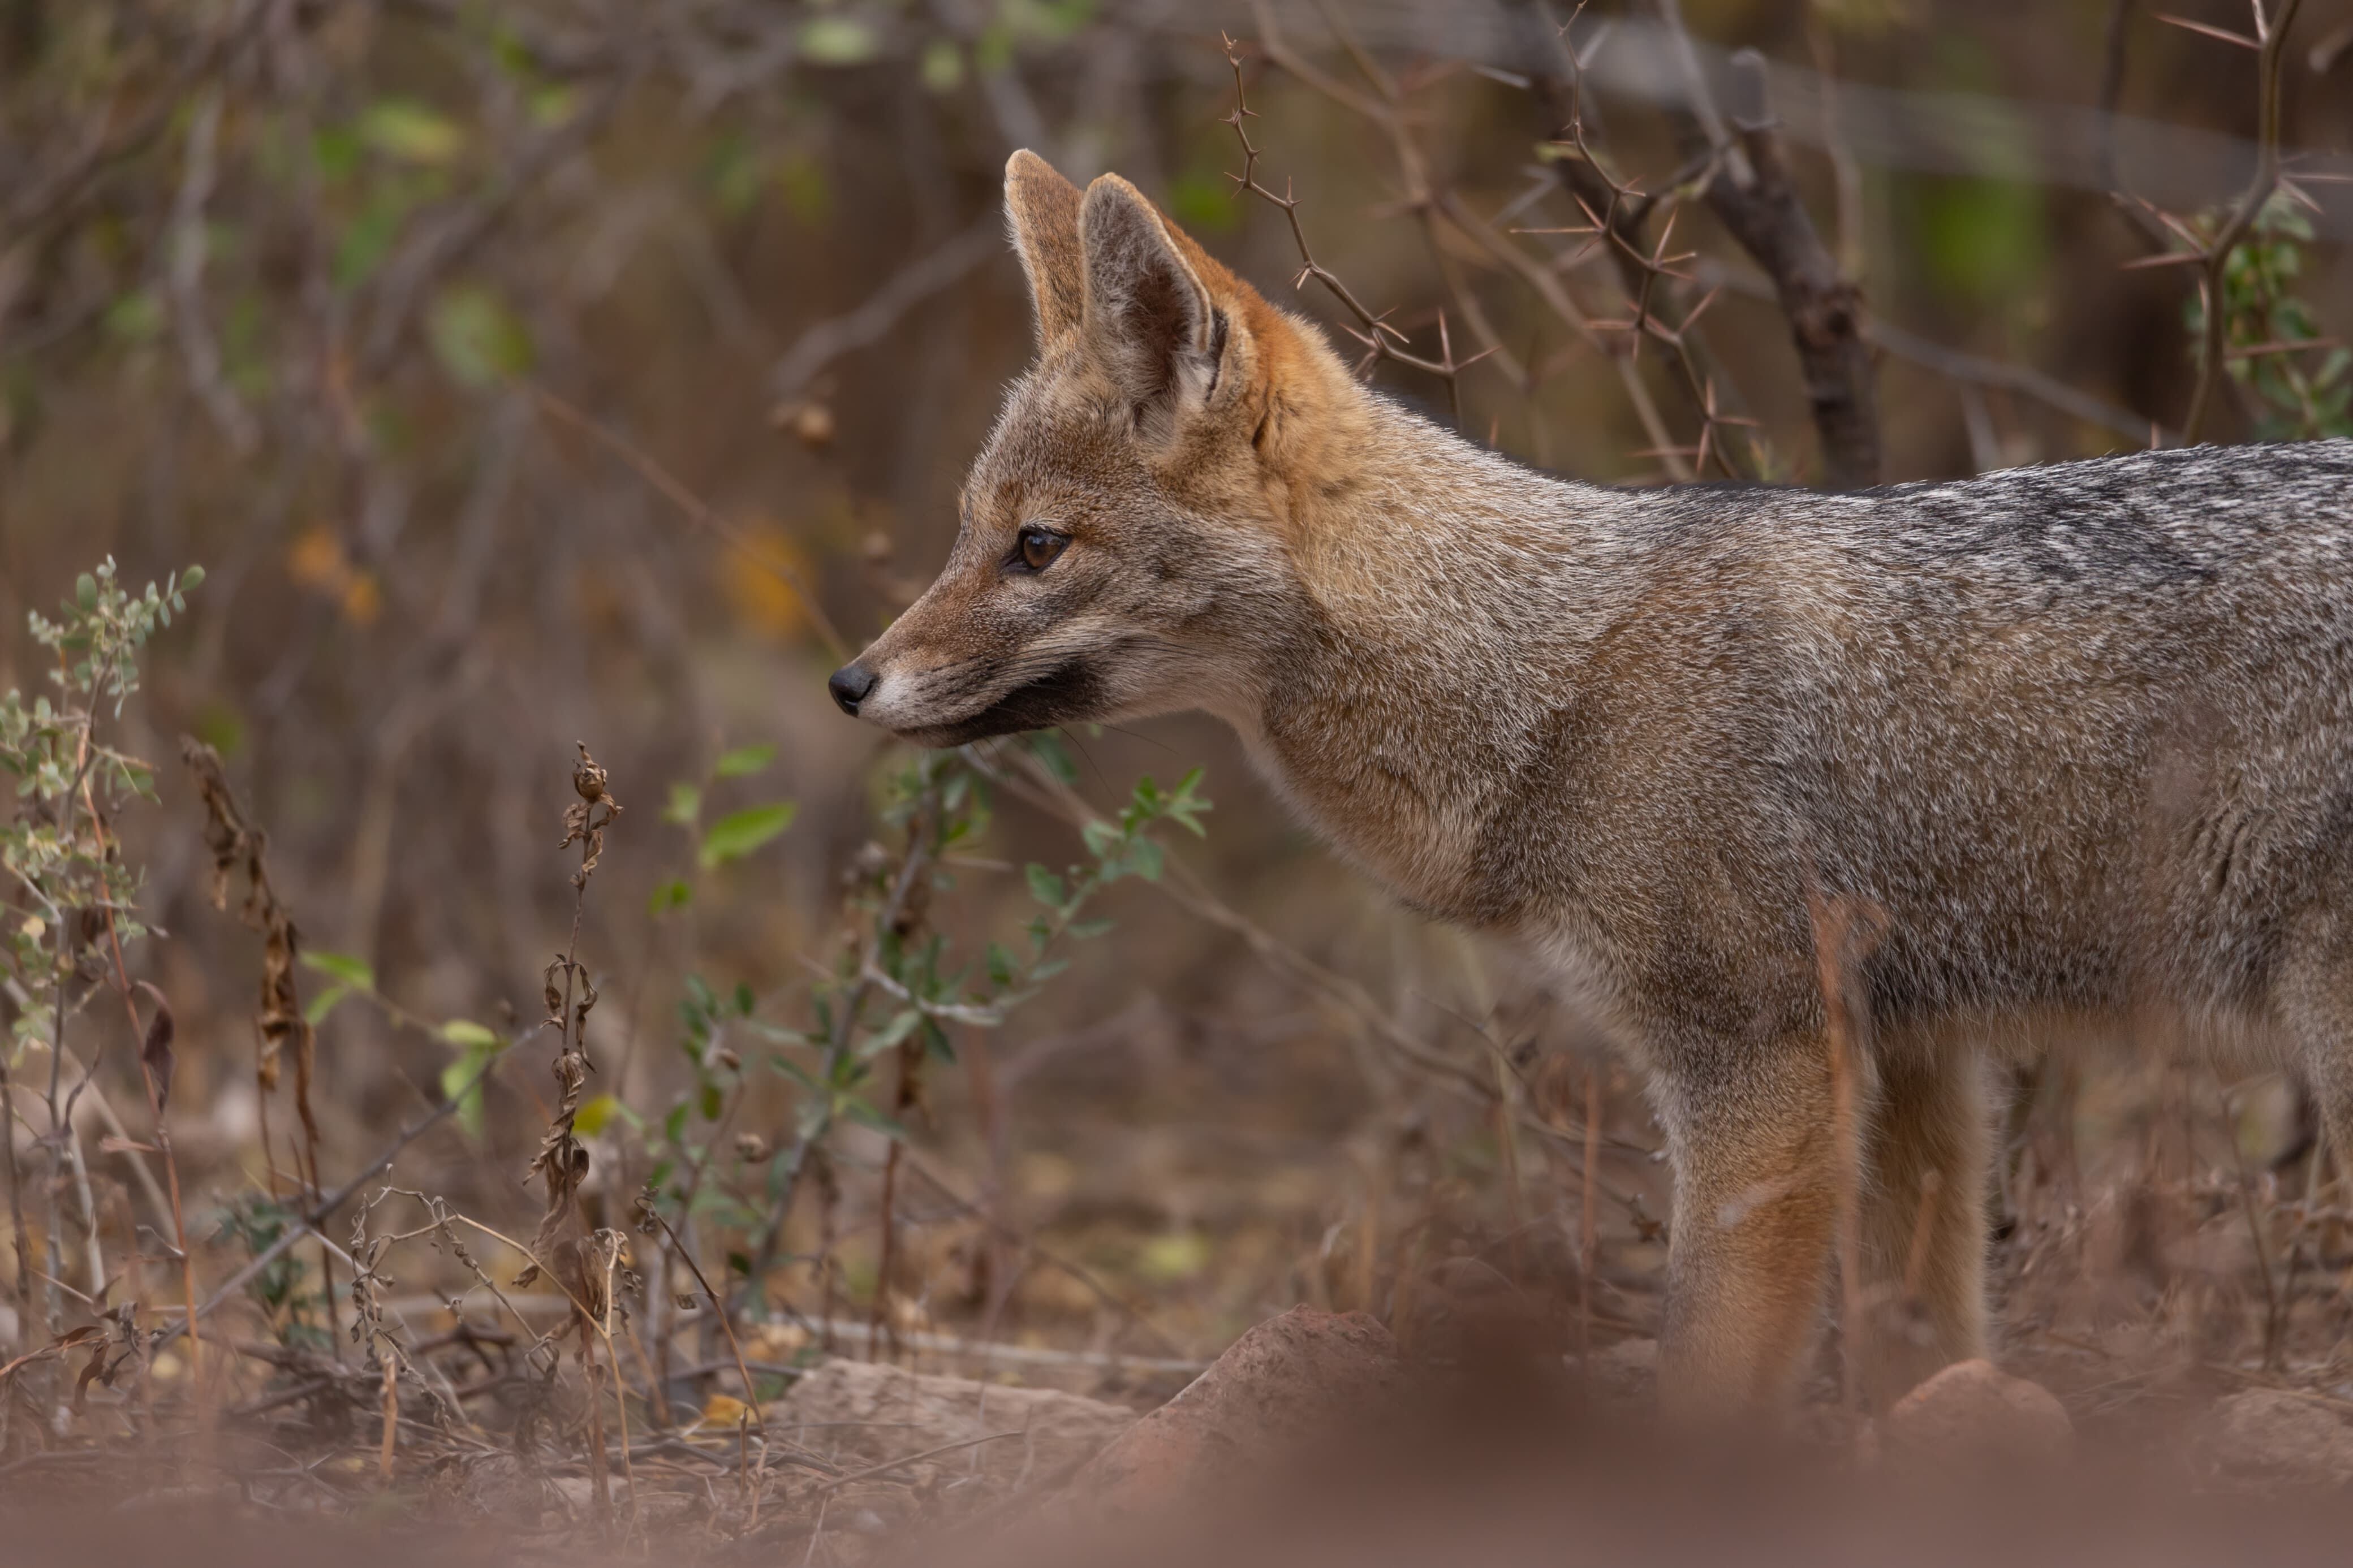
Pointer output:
x,y
1149,315
1041,208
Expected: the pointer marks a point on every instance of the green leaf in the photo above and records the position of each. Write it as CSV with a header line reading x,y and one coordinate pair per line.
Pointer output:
x,y
350,971
460,1082
335,151
481,342
715,1102
1049,749
796,1072
1166,1259
86,591
404,128
1144,858
865,1115
897,1029
744,761
1200,199
468,1035
674,894
1086,930
943,68
739,833
368,238
838,41
321,1004
685,804
136,318
1044,886
593,1117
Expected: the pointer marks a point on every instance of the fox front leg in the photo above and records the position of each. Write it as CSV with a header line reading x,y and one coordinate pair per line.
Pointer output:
x,y
1753,1142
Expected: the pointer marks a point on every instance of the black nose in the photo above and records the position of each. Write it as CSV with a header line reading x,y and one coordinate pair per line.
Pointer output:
x,y
851,685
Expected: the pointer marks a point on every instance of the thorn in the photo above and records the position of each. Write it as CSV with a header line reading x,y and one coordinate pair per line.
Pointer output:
x,y
1705,301
2225,33
1665,229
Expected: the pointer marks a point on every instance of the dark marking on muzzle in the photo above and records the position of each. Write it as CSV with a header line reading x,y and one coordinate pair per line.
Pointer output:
x,y
1065,695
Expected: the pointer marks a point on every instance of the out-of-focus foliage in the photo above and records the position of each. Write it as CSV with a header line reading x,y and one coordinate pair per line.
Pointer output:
x,y
2277,350
72,894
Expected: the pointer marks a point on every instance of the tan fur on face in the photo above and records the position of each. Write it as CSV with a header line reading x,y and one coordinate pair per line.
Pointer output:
x,y
2083,735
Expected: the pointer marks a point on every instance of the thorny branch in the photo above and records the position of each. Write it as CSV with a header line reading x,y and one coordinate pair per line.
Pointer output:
x,y
1748,185
1618,214
1381,340
1430,201
1765,215
2214,257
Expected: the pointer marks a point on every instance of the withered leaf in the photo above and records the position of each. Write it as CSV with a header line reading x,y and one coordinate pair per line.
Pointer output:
x,y
581,820
561,1164
59,1346
157,1051
236,845
92,1370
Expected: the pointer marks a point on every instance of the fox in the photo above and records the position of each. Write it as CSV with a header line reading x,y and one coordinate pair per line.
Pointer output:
x,y
2074,743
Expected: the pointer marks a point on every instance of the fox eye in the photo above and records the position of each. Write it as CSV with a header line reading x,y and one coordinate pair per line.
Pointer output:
x,y
1036,548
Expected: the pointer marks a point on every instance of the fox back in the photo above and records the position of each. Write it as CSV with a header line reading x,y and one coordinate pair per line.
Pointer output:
x,y
2071,740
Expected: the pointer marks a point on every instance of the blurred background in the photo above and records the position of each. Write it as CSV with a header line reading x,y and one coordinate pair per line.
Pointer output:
x,y
592,371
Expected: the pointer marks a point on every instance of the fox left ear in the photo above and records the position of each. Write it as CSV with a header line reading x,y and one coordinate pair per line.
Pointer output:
x,y
1041,208
1149,316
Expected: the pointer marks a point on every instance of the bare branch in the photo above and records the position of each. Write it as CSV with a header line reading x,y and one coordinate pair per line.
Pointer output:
x,y
903,291
1824,309
199,350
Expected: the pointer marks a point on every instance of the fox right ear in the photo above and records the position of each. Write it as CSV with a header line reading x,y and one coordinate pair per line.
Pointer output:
x,y
1041,208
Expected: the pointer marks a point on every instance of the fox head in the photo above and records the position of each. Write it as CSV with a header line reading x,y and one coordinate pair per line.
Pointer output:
x,y
1125,540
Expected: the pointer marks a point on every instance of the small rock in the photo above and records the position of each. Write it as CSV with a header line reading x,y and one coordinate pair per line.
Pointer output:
x,y
864,1412
1973,1409
2268,1432
1290,1379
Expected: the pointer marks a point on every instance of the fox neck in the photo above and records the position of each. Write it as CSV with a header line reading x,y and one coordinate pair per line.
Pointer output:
x,y
1442,598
